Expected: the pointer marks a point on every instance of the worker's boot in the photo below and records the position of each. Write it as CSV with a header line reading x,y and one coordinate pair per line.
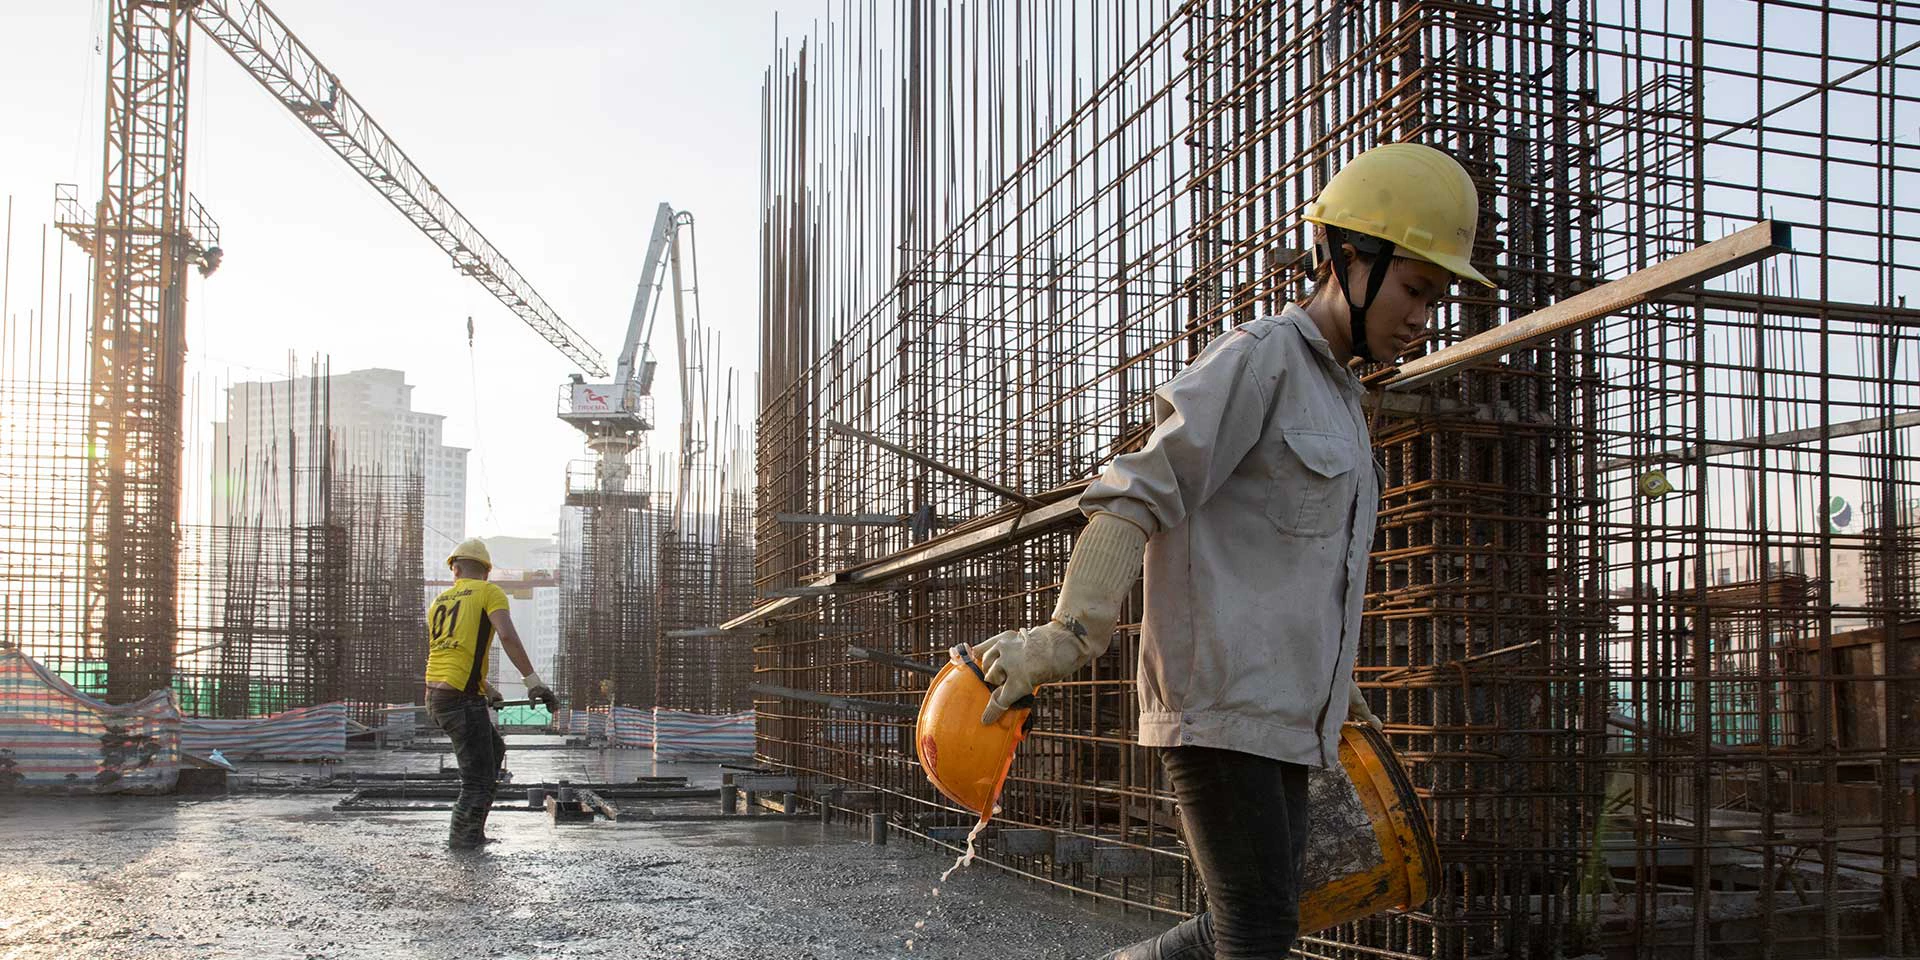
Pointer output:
x,y
480,830
1144,950
1192,939
468,829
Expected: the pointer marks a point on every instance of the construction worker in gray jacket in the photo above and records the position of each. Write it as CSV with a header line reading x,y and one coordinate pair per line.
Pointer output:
x,y
1253,502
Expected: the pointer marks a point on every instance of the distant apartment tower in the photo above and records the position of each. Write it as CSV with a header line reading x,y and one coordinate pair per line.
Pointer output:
x,y
374,428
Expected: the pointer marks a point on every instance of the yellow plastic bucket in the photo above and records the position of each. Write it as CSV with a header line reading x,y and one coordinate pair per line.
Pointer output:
x,y
1370,848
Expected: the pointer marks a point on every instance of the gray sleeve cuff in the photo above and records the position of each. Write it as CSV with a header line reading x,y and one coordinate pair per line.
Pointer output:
x,y
1125,508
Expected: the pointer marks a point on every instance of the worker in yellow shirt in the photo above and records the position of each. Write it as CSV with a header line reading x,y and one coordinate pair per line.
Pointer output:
x,y
461,626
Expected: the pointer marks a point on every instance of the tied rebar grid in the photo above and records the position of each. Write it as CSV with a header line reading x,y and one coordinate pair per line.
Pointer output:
x,y
974,250
43,493
282,616
375,533
706,574
306,590
610,533
706,561
1671,723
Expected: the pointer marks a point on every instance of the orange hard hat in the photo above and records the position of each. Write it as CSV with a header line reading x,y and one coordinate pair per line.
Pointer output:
x,y
967,760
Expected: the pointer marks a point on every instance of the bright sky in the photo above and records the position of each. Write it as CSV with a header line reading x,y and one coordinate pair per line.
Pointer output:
x,y
556,129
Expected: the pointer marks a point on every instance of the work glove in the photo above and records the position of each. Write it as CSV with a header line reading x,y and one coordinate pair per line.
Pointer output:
x,y
495,698
1358,711
540,693
544,696
1106,561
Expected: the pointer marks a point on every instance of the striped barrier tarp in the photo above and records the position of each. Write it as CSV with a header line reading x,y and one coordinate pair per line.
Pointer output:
x,y
55,738
598,723
303,733
573,723
632,728
678,733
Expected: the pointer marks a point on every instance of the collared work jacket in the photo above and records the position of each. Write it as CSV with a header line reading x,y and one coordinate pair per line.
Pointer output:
x,y
1258,490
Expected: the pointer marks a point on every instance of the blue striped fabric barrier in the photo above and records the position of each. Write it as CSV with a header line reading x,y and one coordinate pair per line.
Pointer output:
x,y
303,733
55,738
678,733
632,728
597,723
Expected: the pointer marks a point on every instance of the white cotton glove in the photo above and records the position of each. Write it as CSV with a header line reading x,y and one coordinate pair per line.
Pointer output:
x,y
1358,711
539,692
1106,561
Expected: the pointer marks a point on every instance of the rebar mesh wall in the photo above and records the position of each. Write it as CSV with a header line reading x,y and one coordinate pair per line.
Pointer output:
x,y
973,223
376,530
324,605
706,575
610,534
43,456
706,550
42,503
1760,773
989,230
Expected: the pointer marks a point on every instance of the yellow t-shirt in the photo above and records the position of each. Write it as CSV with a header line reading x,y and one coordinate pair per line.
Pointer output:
x,y
459,633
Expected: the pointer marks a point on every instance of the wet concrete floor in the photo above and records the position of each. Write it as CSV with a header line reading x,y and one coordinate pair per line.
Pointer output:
x,y
285,876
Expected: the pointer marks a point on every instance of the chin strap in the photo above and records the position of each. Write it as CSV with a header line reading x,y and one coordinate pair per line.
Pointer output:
x,y
1382,253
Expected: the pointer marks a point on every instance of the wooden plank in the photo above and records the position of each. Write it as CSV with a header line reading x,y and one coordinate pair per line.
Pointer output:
x,y
766,785
594,801
572,812
954,835
1122,862
775,802
1729,253
1755,243
1026,842
1068,849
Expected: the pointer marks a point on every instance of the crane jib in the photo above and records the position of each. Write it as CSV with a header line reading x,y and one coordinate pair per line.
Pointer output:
x,y
260,42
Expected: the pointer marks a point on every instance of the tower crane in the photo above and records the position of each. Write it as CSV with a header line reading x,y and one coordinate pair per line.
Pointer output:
x,y
143,235
615,416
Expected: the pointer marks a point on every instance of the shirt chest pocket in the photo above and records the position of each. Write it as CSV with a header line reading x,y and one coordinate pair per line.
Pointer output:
x,y
1312,488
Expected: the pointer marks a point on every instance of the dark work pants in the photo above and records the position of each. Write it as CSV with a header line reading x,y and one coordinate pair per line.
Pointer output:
x,y
480,751
1246,825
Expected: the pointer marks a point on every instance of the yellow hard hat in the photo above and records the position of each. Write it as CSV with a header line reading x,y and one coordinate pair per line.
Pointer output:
x,y
1416,197
964,759
1653,483
472,548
